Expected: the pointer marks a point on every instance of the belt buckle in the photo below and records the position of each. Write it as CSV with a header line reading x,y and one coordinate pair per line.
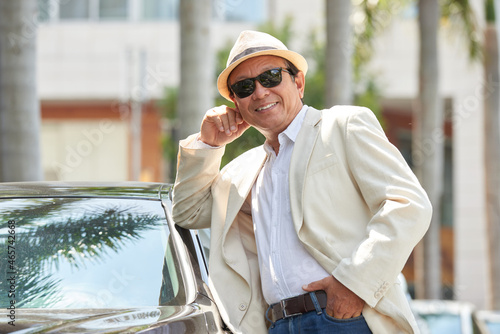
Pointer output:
x,y
283,309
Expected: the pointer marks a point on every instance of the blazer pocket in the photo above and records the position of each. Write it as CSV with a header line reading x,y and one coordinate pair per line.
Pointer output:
x,y
321,164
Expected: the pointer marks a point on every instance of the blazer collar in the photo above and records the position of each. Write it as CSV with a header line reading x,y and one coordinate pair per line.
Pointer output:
x,y
300,159
243,175
242,179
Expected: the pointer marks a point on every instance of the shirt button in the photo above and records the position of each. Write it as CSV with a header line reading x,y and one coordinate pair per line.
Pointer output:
x,y
242,306
378,295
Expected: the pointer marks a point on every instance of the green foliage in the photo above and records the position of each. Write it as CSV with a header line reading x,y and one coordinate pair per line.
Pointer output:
x,y
460,15
283,33
250,139
315,79
168,108
370,97
168,105
490,11
373,17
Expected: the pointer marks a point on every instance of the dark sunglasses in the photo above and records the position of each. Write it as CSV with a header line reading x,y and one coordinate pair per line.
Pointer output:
x,y
268,79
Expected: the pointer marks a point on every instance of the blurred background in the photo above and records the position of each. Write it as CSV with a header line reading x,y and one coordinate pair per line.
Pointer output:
x,y
102,90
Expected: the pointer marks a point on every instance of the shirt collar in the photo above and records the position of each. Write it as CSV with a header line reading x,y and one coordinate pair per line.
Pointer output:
x,y
292,131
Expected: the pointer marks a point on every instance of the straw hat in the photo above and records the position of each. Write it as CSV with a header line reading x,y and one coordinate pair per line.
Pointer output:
x,y
252,44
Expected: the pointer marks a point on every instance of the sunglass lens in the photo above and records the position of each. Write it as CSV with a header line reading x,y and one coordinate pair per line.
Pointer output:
x,y
244,88
270,78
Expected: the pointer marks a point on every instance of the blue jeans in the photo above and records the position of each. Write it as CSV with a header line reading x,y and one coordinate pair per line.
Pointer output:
x,y
316,322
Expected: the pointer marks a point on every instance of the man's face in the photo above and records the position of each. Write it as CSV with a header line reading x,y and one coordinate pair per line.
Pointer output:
x,y
269,110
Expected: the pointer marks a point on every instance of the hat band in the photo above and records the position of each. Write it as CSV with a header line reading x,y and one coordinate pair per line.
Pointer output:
x,y
250,51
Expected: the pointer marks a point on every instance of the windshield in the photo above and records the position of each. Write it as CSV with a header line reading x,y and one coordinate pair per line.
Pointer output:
x,y
86,253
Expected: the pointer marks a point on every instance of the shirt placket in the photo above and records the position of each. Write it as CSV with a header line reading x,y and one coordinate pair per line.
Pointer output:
x,y
277,176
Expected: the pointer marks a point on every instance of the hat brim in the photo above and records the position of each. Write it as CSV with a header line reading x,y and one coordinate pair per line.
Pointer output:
x,y
295,58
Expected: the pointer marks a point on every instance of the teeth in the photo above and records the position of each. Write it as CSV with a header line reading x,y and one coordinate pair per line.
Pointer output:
x,y
266,107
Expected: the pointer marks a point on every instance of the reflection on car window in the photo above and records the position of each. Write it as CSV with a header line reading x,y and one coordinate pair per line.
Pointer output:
x,y
87,253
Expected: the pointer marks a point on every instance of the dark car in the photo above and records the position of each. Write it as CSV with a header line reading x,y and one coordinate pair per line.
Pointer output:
x,y
100,258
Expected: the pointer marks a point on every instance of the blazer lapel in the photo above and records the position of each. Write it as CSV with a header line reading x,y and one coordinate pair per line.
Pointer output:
x,y
300,160
242,179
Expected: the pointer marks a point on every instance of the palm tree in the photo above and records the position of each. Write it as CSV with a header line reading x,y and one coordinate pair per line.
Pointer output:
x,y
491,151
429,161
196,86
338,53
19,108
428,154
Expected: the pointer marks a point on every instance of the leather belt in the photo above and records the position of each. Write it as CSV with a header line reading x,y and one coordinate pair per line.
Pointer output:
x,y
296,305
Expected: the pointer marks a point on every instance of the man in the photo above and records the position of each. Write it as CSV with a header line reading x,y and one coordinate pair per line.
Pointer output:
x,y
309,231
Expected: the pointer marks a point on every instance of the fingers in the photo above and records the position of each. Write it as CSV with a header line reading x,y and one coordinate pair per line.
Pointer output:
x,y
345,310
225,119
228,121
322,284
222,125
342,303
309,287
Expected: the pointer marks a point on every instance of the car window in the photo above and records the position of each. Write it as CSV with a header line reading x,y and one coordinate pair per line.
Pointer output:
x,y
86,253
441,323
205,241
493,327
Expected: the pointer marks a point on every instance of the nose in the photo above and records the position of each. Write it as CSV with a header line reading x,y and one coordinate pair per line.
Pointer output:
x,y
260,91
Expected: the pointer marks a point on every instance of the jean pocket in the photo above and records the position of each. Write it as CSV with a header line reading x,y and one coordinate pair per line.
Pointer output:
x,y
349,320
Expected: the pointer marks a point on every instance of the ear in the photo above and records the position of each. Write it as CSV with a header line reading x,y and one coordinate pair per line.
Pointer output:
x,y
234,101
300,82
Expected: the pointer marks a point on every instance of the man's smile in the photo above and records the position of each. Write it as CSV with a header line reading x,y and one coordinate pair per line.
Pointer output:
x,y
267,106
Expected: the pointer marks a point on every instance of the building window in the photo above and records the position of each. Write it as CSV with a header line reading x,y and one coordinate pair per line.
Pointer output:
x,y
44,10
240,10
145,10
159,10
113,9
74,10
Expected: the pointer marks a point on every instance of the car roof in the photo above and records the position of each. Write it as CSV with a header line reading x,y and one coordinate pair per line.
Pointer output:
x,y
125,189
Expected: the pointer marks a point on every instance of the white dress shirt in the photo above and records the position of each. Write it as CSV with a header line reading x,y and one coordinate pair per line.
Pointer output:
x,y
285,265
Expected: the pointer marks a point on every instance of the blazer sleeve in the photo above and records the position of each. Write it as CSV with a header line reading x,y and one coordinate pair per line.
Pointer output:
x,y
197,170
400,209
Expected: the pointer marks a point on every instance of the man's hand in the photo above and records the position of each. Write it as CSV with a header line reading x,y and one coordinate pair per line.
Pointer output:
x,y
342,303
221,125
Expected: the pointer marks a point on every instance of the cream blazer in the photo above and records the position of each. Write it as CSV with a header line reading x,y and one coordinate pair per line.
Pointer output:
x,y
356,206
